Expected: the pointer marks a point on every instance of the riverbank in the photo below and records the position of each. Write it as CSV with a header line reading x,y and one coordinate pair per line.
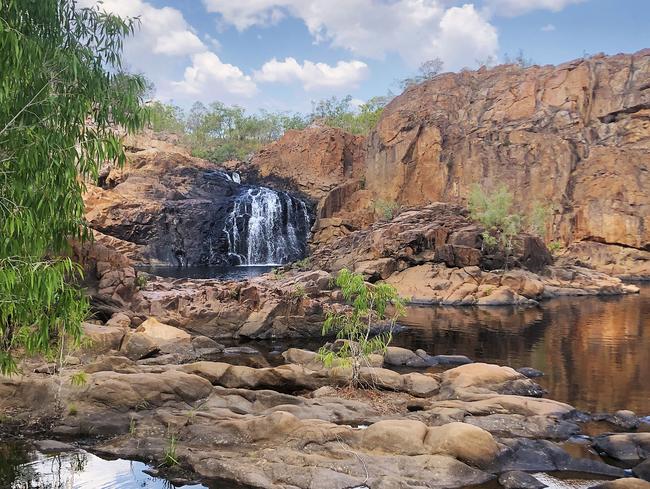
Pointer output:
x,y
294,426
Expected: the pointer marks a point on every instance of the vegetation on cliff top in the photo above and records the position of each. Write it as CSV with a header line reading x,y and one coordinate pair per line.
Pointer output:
x,y
219,132
62,93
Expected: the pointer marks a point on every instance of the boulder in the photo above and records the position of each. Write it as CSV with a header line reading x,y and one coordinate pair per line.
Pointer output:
x,y
53,446
464,442
404,437
203,344
163,333
112,363
519,480
530,372
120,320
138,345
397,356
451,360
642,471
145,390
624,446
467,443
626,419
104,338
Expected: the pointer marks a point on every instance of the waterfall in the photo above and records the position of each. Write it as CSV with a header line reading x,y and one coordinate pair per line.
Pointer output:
x,y
267,227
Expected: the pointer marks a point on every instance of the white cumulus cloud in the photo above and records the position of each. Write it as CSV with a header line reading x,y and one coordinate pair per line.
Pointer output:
x,y
547,28
208,75
416,30
165,44
345,74
512,8
161,30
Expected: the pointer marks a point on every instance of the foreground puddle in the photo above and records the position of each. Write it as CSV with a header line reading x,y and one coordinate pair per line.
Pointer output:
x,y
21,468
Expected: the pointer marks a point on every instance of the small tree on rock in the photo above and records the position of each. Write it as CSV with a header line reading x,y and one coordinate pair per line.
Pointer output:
x,y
494,212
371,303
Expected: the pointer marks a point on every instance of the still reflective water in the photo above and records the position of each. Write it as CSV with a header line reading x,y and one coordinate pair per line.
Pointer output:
x,y
594,351
221,273
23,468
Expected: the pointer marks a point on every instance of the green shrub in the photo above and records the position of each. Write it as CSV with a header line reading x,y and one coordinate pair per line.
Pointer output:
x,y
304,264
539,219
494,212
141,281
170,458
79,379
299,292
370,303
387,209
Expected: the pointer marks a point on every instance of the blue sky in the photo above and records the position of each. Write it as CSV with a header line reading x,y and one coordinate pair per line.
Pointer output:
x,y
282,54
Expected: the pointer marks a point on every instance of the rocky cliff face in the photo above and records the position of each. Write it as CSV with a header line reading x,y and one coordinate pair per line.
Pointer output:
x,y
313,161
576,136
165,207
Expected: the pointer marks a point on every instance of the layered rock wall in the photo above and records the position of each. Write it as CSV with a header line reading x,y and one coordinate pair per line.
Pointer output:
x,y
575,136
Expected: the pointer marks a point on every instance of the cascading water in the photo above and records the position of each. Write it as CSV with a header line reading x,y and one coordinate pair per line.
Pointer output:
x,y
267,227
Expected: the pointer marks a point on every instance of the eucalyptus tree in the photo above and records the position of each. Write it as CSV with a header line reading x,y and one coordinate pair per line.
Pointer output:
x,y
370,304
62,96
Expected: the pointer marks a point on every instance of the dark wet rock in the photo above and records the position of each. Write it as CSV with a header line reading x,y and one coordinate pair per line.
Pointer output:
x,y
397,356
627,483
451,360
53,446
626,419
642,471
201,343
519,480
530,372
168,359
433,360
624,446
546,456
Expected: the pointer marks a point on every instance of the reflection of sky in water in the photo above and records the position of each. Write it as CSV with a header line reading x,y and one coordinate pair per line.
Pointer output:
x,y
85,471
565,482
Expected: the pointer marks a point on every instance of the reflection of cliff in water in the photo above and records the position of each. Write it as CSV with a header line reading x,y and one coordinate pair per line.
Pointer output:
x,y
595,352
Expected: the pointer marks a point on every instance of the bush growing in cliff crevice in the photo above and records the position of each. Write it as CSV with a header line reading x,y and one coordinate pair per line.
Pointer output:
x,y
539,219
370,303
387,209
494,212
